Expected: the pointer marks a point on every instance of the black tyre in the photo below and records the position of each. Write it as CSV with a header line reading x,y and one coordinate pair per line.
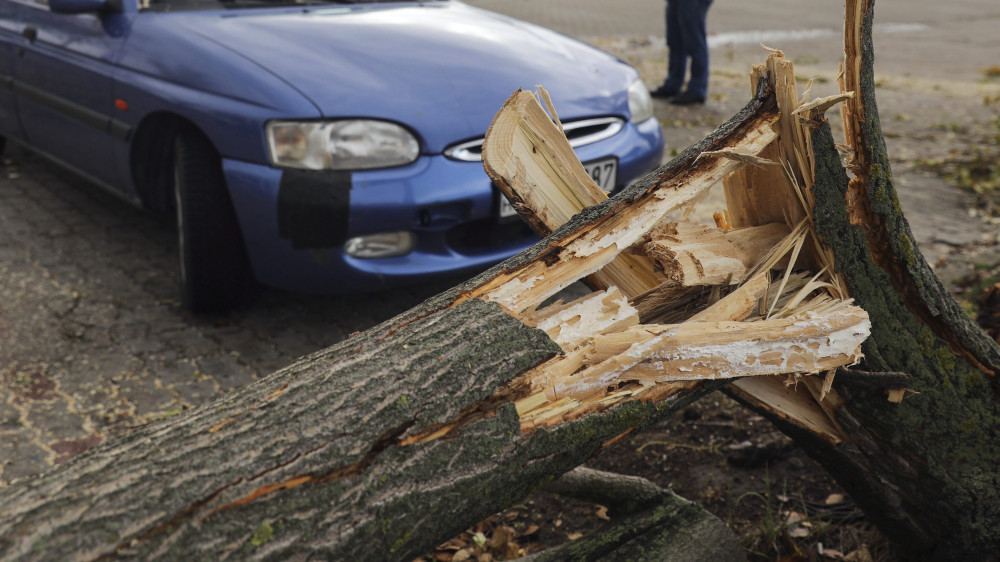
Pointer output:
x,y
215,271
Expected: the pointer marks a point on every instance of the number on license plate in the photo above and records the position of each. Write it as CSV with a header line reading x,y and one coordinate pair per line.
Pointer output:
x,y
603,172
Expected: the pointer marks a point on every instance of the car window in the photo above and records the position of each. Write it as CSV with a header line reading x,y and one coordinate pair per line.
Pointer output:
x,y
188,5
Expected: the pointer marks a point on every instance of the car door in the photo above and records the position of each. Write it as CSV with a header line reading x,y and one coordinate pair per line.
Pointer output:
x,y
63,88
10,41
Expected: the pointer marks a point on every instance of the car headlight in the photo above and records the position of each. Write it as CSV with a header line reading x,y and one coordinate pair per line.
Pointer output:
x,y
349,144
640,103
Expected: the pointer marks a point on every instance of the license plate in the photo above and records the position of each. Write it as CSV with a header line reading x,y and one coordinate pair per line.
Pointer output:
x,y
604,173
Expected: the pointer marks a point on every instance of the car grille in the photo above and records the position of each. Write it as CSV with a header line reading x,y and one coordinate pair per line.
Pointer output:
x,y
579,133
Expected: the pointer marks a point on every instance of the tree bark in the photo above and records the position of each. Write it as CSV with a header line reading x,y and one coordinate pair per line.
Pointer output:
x,y
926,470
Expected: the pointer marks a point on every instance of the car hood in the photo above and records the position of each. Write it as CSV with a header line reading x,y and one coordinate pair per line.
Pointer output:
x,y
442,69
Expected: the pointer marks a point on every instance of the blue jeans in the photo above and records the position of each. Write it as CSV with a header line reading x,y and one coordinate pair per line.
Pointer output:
x,y
687,39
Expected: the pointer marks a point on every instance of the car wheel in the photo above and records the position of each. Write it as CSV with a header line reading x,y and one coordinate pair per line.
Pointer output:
x,y
215,272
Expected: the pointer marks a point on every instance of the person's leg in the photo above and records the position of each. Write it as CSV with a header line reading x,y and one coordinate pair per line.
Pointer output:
x,y
676,57
691,17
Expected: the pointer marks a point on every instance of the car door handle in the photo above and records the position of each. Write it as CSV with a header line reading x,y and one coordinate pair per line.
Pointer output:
x,y
30,33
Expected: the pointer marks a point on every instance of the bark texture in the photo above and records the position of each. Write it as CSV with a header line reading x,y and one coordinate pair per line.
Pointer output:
x,y
927,470
285,466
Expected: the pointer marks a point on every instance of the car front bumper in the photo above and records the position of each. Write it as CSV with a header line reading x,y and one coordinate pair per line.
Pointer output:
x,y
295,223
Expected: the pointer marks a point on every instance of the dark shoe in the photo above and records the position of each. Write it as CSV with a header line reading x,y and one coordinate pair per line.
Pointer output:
x,y
687,98
664,92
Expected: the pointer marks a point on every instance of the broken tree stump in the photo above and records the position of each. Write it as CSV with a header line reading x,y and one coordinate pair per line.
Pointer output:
x,y
926,469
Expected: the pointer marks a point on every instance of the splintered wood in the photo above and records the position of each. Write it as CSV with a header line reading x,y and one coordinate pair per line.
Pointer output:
x,y
695,254
753,298
597,250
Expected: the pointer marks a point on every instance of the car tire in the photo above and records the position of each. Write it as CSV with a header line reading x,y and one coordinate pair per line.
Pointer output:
x,y
215,271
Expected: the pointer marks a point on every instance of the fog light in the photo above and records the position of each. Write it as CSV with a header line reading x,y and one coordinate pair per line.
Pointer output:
x,y
381,245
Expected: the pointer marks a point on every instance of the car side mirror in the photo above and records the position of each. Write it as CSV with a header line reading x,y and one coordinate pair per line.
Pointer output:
x,y
84,6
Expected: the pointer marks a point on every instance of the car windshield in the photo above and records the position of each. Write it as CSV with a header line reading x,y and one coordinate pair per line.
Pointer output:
x,y
188,5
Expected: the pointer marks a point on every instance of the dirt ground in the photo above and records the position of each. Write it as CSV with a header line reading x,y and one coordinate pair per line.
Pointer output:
x,y
780,503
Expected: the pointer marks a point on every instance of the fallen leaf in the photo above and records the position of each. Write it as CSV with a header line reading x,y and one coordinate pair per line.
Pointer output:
x,y
794,517
834,499
797,525
574,536
558,523
860,555
462,555
602,513
479,539
798,532
501,536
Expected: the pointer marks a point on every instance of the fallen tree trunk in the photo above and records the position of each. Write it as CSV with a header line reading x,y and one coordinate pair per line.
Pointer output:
x,y
398,438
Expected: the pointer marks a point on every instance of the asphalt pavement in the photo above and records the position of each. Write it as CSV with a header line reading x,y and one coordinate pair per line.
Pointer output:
x,y
92,338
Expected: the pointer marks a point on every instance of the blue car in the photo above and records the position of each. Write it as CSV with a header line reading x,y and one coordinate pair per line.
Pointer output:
x,y
318,146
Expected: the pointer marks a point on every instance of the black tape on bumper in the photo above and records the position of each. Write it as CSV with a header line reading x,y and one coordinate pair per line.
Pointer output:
x,y
313,208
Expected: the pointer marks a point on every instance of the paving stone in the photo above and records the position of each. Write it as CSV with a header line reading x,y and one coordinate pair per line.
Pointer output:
x,y
107,363
170,368
88,392
147,393
196,391
10,417
69,448
21,457
189,341
137,338
54,423
226,371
